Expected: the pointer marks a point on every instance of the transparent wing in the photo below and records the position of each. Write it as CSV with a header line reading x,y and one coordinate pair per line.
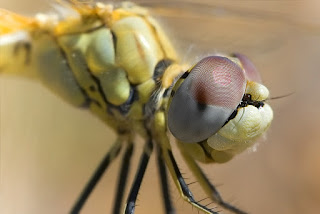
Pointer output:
x,y
49,149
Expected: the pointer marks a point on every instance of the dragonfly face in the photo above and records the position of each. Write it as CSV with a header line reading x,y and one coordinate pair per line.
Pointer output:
x,y
217,104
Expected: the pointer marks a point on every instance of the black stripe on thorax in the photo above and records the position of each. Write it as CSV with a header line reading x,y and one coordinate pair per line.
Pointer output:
x,y
88,99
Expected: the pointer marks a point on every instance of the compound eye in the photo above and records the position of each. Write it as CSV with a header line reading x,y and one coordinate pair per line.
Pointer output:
x,y
206,99
251,71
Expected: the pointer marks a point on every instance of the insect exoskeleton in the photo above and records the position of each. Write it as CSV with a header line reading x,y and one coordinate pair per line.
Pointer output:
x,y
217,108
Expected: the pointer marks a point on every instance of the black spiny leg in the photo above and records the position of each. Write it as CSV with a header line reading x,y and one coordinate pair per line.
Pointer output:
x,y
123,177
207,186
131,201
181,184
169,209
109,157
175,173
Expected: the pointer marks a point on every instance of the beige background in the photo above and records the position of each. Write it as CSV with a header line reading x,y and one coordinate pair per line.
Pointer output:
x,y
48,149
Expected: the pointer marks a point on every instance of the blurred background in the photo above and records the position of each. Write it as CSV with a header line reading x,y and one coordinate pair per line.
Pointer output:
x,y
48,149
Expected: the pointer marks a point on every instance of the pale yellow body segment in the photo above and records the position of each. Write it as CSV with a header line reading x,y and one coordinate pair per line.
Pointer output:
x,y
98,58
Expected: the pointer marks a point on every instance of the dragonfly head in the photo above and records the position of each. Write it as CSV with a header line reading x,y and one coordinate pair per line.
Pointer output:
x,y
218,104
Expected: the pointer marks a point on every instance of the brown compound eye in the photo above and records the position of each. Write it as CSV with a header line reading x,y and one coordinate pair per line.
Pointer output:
x,y
217,81
251,71
206,99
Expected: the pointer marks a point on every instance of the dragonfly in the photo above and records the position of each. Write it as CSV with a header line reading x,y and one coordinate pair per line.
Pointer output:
x,y
162,105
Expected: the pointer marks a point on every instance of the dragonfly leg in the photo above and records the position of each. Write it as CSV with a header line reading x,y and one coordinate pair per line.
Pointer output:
x,y
123,177
181,184
164,183
131,201
207,186
108,158
166,153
